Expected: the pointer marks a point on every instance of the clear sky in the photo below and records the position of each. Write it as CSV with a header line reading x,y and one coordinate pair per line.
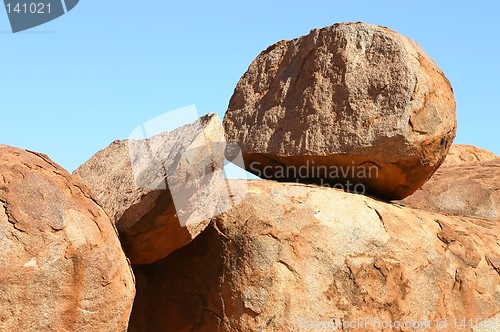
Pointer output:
x,y
75,84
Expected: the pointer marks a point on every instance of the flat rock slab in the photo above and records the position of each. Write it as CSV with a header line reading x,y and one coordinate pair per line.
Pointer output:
x,y
291,257
162,191
348,104
62,266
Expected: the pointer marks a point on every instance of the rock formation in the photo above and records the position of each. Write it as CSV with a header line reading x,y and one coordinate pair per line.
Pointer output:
x,y
348,104
163,191
463,189
291,255
62,267
353,106
464,154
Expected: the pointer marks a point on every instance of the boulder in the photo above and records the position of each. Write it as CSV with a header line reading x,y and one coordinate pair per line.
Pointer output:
x,y
62,267
463,189
350,104
294,257
161,192
464,154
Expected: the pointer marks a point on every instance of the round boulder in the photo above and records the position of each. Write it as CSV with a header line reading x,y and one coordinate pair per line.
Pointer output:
x,y
353,105
62,267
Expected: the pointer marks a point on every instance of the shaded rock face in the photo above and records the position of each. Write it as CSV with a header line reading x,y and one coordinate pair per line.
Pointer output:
x,y
339,102
294,255
163,191
62,267
464,154
463,189
182,291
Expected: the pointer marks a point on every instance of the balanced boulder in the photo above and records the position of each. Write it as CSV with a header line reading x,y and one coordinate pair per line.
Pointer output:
x,y
350,104
62,266
161,192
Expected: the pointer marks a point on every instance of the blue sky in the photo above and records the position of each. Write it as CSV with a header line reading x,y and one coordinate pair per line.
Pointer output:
x,y
75,84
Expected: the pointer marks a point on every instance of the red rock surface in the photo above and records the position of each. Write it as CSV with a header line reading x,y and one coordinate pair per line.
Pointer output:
x,y
290,255
349,96
464,154
161,192
62,267
462,189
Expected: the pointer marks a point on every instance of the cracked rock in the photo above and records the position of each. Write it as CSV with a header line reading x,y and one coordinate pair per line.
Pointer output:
x,y
162,191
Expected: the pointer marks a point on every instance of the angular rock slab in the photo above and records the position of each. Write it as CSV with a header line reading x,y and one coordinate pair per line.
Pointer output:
x,y
331,106
162,191
290,255
465,154
465,189
62,267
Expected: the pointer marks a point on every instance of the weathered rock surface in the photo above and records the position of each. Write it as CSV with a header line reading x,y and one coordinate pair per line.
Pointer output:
x,y
464,154
62,267
467,189
161,192
347,97
291,255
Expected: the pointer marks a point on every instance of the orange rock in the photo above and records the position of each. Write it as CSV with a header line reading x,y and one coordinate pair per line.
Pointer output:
x,y
465,188
161,192
292,255
341,101
464,154
62,267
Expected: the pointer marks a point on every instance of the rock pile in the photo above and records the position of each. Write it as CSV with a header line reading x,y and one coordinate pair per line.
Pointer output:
x,y
211,254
